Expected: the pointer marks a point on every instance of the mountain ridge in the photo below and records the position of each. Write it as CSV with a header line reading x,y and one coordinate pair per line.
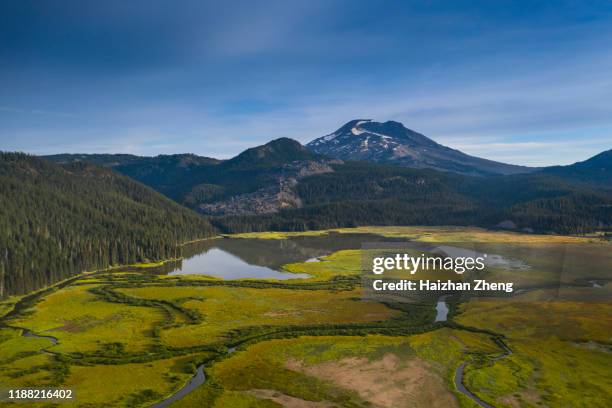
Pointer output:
x,y
392,143
294,188
595,171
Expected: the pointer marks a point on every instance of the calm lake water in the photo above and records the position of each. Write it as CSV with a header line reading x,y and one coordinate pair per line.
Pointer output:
x,y
527,265
223,264
262,258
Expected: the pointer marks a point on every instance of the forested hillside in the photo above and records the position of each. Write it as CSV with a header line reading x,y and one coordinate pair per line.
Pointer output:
x,y
596,171
283,186
56,221
357,194
173,175
255,181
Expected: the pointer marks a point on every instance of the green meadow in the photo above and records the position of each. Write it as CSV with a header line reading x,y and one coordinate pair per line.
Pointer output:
x,y
367,371
129,337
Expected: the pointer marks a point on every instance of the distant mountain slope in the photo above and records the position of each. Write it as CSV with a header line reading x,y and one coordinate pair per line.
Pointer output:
x,y
258,180
392,143
105,160
171,175
274,153
56,221
116,160
361,193
596,171
282,185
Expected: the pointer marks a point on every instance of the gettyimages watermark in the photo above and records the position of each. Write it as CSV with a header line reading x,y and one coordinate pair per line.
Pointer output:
x,y
412,264
414,271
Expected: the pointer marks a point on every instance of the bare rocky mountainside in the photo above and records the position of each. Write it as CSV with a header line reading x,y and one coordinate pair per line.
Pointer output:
x,y
280,194
392,143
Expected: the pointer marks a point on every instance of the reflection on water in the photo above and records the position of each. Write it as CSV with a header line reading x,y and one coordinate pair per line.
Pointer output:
x,y
595,284
527,264
237,258
490,260
220,263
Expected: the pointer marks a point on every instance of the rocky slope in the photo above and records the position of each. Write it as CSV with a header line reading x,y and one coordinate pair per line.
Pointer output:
x,y
279,194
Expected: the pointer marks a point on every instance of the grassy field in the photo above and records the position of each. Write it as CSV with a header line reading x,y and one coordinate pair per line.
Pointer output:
x,y
434,234
129,337
341,263
128,384
562,349
82,322
366,371
6,305
225,309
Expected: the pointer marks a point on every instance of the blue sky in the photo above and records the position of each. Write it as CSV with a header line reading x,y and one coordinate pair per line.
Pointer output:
x,y
521,82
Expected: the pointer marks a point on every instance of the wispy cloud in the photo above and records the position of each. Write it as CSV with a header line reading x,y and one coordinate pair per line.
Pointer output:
x,y
204,77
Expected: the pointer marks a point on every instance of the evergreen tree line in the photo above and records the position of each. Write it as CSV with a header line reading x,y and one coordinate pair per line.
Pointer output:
x,y
358,194
56,221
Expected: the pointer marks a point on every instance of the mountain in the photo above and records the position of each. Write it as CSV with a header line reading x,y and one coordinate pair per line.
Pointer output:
x,y
59,220
596,171
275,153
258,180
362,193
117,160
171,175
105,160
392,143
284,186
355,193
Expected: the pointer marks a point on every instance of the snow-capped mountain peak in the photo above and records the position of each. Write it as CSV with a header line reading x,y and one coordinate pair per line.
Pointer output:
x,y
392,143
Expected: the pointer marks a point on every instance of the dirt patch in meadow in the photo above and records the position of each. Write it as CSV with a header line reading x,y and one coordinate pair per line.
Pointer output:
x,y
388,382
518,400
87,322
288,401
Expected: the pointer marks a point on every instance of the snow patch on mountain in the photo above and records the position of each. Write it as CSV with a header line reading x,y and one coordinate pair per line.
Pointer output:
x,y
392,143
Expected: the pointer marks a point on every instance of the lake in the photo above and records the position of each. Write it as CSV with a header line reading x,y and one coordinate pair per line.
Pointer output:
x,y
220,263
525,264
240,258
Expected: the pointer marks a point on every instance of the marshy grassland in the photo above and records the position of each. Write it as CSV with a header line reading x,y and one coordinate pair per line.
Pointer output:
x,y
367,371
131,337
562,349
224,309
435,234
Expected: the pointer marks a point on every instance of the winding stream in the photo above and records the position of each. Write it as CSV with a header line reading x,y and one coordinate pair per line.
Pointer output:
x,y
441,309
460,371
237,259
462,389
441,316
28,333
197,380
